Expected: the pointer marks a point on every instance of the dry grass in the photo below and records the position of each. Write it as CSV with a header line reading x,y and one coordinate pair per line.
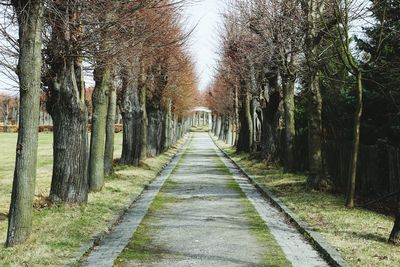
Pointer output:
x,y
359,235
59,232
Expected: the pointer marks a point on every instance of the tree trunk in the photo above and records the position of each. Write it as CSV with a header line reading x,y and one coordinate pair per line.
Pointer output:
x,y
288,101
222,128
6,112
155,132
69,180
218,126
110,132
143,107
229,136
246,122
144,122
132,122
213,123
351,187
249,120
30,22
68,108
66,105
394,237
168,125
237,123
314,9
103,78
315,177
270,122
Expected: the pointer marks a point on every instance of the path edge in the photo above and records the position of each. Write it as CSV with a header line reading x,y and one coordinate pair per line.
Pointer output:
x,y
97,238
328,252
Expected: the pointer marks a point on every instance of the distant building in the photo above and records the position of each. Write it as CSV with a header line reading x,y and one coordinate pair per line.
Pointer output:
x,y
201,117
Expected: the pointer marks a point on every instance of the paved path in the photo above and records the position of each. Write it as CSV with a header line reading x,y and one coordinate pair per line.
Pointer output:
x,y
297,250
206,224
112,245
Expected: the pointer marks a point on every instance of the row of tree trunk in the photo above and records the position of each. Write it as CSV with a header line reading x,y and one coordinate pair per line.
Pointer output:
x,y
78,167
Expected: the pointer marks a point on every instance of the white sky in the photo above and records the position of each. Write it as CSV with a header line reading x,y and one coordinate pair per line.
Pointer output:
x,y
204,43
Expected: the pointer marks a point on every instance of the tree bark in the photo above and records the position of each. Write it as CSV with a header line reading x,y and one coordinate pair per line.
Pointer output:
x,y
69,180
155,132
314,9
66,105
249,120
168,125
270,118
222,129
288,101
144,121
103,79
110,132
236,114
132,117
30,22
315,177
218,126
245,141
351,187
213,123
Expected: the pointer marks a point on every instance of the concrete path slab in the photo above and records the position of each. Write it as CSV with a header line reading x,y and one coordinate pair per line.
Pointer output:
x,y
112,245
297,250
206,223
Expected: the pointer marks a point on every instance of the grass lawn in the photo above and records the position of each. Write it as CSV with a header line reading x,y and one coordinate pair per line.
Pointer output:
x,y
359,235
59,231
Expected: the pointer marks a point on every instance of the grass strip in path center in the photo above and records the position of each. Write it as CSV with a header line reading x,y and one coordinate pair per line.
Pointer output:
x,y
111,246
201,168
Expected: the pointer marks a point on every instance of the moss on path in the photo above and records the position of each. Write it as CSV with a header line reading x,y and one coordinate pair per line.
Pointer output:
x,y
202,218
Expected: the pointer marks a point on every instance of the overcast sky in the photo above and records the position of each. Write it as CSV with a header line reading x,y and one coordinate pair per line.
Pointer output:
x,y
204,43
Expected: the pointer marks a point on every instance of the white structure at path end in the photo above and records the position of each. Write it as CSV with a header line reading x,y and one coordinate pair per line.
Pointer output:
x,y
202,117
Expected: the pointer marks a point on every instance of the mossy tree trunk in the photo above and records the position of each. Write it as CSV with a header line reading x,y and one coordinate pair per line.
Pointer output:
x,y
103,79
110,132
30,22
